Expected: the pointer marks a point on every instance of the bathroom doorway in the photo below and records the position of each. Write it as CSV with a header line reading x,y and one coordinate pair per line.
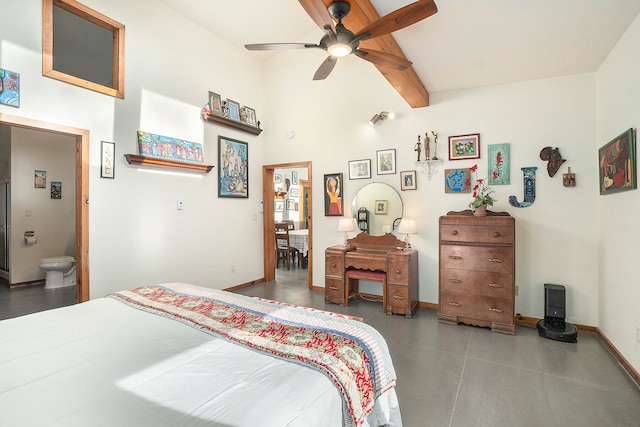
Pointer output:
x,y
81,138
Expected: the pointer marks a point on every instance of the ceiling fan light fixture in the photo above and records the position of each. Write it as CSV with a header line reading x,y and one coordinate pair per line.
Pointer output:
x,y
339,49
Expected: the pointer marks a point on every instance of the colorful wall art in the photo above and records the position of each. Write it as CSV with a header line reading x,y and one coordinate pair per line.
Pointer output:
x,y
165,147
617,160
9,88
499,164
233,168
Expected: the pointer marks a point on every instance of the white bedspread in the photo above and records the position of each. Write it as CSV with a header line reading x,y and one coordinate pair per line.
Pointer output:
x,y
105,363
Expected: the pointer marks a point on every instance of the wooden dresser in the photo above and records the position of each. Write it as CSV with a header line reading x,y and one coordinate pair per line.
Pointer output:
x,y
375,254
477,270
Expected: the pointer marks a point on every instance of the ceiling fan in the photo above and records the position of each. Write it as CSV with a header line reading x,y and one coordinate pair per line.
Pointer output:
x,y
338,41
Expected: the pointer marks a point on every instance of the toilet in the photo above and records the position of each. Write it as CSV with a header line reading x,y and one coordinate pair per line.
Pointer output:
x,y
60,271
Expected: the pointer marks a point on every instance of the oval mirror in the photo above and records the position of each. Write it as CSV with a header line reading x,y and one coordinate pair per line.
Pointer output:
x,y
375,207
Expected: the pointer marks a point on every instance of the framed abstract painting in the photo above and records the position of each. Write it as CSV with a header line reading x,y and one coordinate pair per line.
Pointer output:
x,y
617,164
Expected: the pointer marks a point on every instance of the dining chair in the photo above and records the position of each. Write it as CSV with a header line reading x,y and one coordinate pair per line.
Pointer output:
x,y
284,250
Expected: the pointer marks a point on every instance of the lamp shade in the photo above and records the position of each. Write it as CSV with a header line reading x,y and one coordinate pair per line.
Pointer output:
x,y
407,226
346,224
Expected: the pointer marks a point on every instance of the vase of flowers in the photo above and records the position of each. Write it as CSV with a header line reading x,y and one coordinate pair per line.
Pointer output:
x,y
481,194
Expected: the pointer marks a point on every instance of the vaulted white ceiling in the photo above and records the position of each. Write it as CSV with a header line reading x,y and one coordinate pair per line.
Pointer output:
x,y
468,43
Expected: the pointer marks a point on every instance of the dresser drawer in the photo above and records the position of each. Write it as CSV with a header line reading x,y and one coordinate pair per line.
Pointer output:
x,y
479,258
334,291
491,234
334,265
476,307
398,271
398,299
499,285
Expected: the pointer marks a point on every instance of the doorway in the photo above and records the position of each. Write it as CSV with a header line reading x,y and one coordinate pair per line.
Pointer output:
x,y
268,174
81,137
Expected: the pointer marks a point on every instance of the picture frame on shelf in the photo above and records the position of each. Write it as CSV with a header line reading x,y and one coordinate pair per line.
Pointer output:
x,y
333,200
360,169
215,104
233,168
107,157
386,161
381,207
234,110
250,116
617,164
408,180
463,147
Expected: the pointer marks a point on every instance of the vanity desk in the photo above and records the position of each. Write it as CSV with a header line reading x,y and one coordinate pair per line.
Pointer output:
x,y
376,258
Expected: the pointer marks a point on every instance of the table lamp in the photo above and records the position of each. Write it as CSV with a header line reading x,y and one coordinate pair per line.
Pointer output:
x,y
407,227
346,225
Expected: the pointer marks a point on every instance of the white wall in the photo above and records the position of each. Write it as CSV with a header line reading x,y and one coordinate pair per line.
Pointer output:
x,y
136,234
33,209
618,226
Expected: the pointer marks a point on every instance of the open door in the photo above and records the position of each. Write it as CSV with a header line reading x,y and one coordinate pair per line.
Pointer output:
x,y
268,172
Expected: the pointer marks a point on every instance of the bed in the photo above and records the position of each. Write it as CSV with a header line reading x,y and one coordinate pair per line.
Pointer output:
x,y
176,354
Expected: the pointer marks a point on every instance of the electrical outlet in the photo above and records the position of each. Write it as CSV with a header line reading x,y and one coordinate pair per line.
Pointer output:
x,y
180,205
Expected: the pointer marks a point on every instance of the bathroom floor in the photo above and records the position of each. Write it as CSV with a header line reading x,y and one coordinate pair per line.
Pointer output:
x,y
33,298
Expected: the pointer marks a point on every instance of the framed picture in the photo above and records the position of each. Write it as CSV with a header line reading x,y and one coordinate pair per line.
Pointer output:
x,y
215,103
294,178
279,205
457,180
234,110
294,192
499,159
9,88
360,169
333,204
464,147
408,180
107,166
381,207
617,164
233,168
277,179
290,204
250,115
56,190
169,148
386,161
40,179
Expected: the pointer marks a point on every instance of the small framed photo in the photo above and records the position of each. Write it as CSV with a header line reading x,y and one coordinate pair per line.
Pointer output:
x,y
294,178
408,180
40,179
277,179
294,192
457,180
360,169
290,204
463,147
386,161
234,110
107,158
381,207
250,116
215,103
56,190
279,205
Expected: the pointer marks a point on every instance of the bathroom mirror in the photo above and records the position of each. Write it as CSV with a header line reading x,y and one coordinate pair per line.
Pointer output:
x,y
384,206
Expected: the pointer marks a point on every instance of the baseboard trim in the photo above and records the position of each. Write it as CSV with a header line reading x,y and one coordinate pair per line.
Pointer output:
x,y
245,285
635,376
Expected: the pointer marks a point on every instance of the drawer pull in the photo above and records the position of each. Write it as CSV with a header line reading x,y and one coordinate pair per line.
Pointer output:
x,y
495,310
455,304
398,271
454,257
333,288
496,234
397,297
454,280
498,260
454,232
495,285
333,265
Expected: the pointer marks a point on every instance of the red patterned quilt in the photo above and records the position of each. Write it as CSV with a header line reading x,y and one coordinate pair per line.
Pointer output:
x,y
352,354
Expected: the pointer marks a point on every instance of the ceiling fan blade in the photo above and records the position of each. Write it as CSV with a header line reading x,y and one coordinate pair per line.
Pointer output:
x,y
325,68
401,18
318,12
383,59
279,46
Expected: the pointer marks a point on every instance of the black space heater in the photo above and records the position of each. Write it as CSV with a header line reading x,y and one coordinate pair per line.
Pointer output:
x,y
553,325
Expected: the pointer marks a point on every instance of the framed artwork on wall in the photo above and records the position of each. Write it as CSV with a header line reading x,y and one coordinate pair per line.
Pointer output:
x,y
234,110
279,205
360,169
464,147
408,180
381,207
457,180
233,168
617,163
56,190
107,166
40,179
499,159
215,103
290,204
333,203
386,161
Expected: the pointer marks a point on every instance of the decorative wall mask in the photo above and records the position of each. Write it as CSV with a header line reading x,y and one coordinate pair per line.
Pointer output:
x,y
529,188
555,160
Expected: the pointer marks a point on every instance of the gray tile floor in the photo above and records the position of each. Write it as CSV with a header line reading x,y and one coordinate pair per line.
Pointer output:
x,y
457,375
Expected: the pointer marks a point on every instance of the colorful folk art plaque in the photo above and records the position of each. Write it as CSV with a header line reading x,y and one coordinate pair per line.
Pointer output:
x,y
167,148
9,88
499,164
457,180
233,168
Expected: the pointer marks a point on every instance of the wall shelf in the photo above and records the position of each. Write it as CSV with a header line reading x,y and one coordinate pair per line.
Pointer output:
x,y
430,166
134,159
212,118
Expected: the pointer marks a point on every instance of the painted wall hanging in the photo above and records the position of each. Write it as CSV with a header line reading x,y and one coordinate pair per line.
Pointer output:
x,y
56,190
553,158
457,180
9,88
569,179
464,147
333,204
529,177
499,164
164,147
233,168
617,161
